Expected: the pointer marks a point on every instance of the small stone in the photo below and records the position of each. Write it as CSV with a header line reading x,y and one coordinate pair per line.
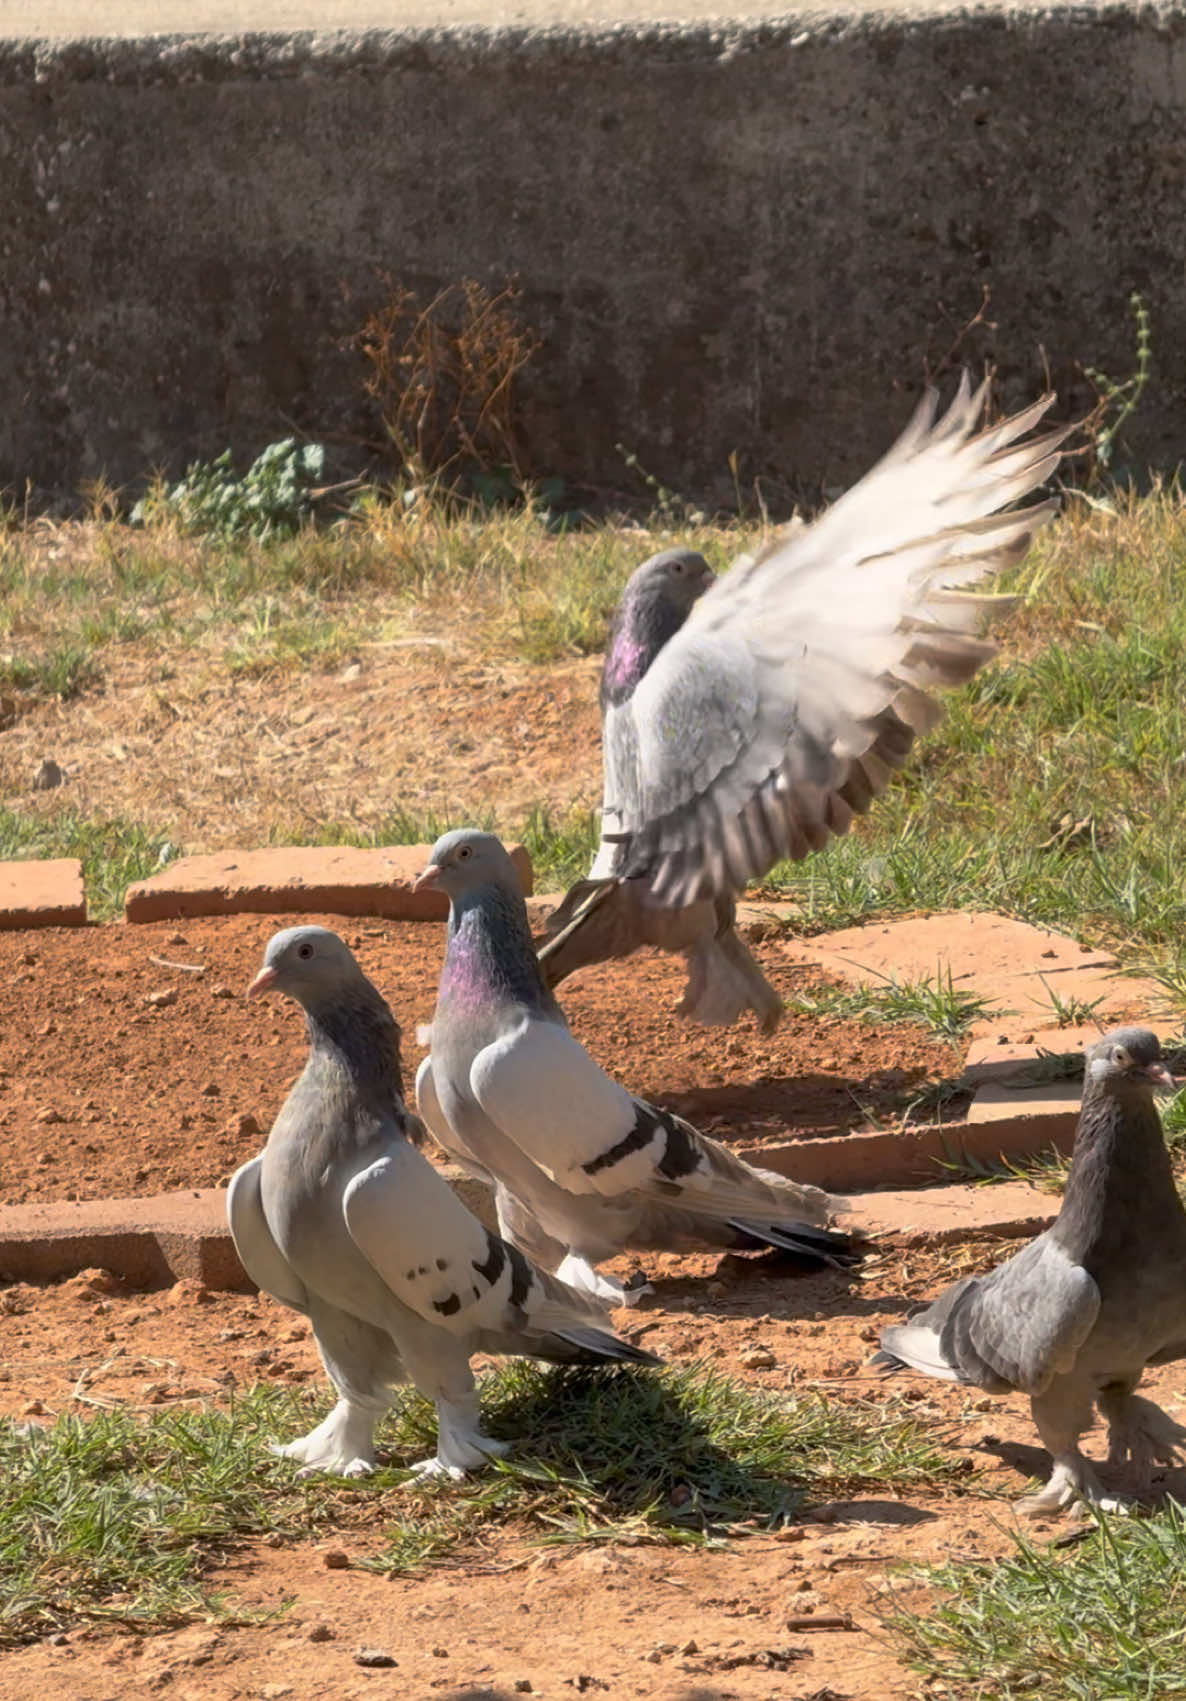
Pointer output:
x,y
242,1125
273,1691
176,939
789,1533
211,1090
440,1653
373,1657
522,1686
35,1408
335,1560
58,1639
759,1358
48,1114
165,996
48,776
689,1647
320,1633
221,990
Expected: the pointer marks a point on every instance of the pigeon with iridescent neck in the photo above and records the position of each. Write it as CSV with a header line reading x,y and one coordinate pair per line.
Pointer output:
x,y
749,718
582,1169
342,1219
1074,1318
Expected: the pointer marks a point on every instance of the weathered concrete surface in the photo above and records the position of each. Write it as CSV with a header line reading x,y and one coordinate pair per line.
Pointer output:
x,y
751,236
38,893
336,879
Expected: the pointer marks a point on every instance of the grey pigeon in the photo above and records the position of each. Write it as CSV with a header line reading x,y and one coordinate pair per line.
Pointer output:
x,y
342,1219
749,718
582,1170
1075,1317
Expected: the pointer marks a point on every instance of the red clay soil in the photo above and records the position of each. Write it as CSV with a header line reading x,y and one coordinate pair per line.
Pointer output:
x,y
623,1622
120,1076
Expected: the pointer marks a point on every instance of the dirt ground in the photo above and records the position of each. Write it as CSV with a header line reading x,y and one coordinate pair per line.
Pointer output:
x,y
121,1074
216,760
666,1624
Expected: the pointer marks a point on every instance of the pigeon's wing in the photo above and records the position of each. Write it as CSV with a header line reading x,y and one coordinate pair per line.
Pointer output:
x,y
429,1105
801,676
546,1094
258,1252
1018,1328
439,1260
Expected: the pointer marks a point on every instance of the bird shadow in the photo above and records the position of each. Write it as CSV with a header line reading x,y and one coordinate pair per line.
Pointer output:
x,y
779,1285
1035,1464
684,1452
808,1100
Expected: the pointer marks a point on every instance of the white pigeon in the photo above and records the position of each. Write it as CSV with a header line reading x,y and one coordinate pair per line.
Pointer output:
x,y
342,1219
1073,1319
582,1169
748,718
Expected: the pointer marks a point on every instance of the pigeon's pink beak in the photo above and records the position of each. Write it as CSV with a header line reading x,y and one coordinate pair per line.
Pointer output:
x,y
1160,1076
264,981
429,880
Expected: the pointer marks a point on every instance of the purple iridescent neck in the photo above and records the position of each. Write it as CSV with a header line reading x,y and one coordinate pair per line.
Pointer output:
x,y
645,619
490,960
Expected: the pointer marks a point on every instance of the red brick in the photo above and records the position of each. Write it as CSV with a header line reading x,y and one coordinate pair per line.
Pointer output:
x,y
930,1216
335,880
42,894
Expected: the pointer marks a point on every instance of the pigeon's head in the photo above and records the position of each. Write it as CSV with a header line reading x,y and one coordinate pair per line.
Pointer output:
x,y
465,859
674,576
654,605
310,964
1127,1057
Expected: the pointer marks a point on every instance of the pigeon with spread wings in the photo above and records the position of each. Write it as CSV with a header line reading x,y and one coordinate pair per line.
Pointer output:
x,y
748,718
582,1169
342,1219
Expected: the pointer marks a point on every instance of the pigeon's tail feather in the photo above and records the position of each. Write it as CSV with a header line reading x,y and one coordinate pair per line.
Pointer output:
x,y
724,980
914,1346
581,1344
816,1245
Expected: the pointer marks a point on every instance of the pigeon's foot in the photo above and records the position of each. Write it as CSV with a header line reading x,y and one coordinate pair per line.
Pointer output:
x,y
580,1274
344,1445
1072,1479
1140,1434
461,1445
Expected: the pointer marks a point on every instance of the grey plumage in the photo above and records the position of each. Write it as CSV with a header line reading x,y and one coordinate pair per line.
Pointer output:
x,y
1076,1316
750,718
343,1220
582,1169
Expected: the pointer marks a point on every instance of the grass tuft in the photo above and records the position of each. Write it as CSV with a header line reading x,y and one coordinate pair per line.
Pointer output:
x,y
945,1010
113,853
1101,1620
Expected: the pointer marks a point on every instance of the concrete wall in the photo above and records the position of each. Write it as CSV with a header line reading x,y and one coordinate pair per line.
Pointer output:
x,y
752,238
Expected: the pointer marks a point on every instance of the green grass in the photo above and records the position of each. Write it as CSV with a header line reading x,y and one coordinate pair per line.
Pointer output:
x,y
1101,1621
65,671
114,1517
934,1003
114,853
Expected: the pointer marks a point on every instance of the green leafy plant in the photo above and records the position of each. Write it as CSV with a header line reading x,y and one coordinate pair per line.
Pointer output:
x,y
273,499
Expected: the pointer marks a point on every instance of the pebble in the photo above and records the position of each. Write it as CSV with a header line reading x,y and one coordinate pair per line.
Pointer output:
x,y
523,1686
222,991
320,1633
373,1657
334,1559
760,1358
160,999
211,1090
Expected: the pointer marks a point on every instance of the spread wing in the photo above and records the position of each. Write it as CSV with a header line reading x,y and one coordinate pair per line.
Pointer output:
x,y
801,676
